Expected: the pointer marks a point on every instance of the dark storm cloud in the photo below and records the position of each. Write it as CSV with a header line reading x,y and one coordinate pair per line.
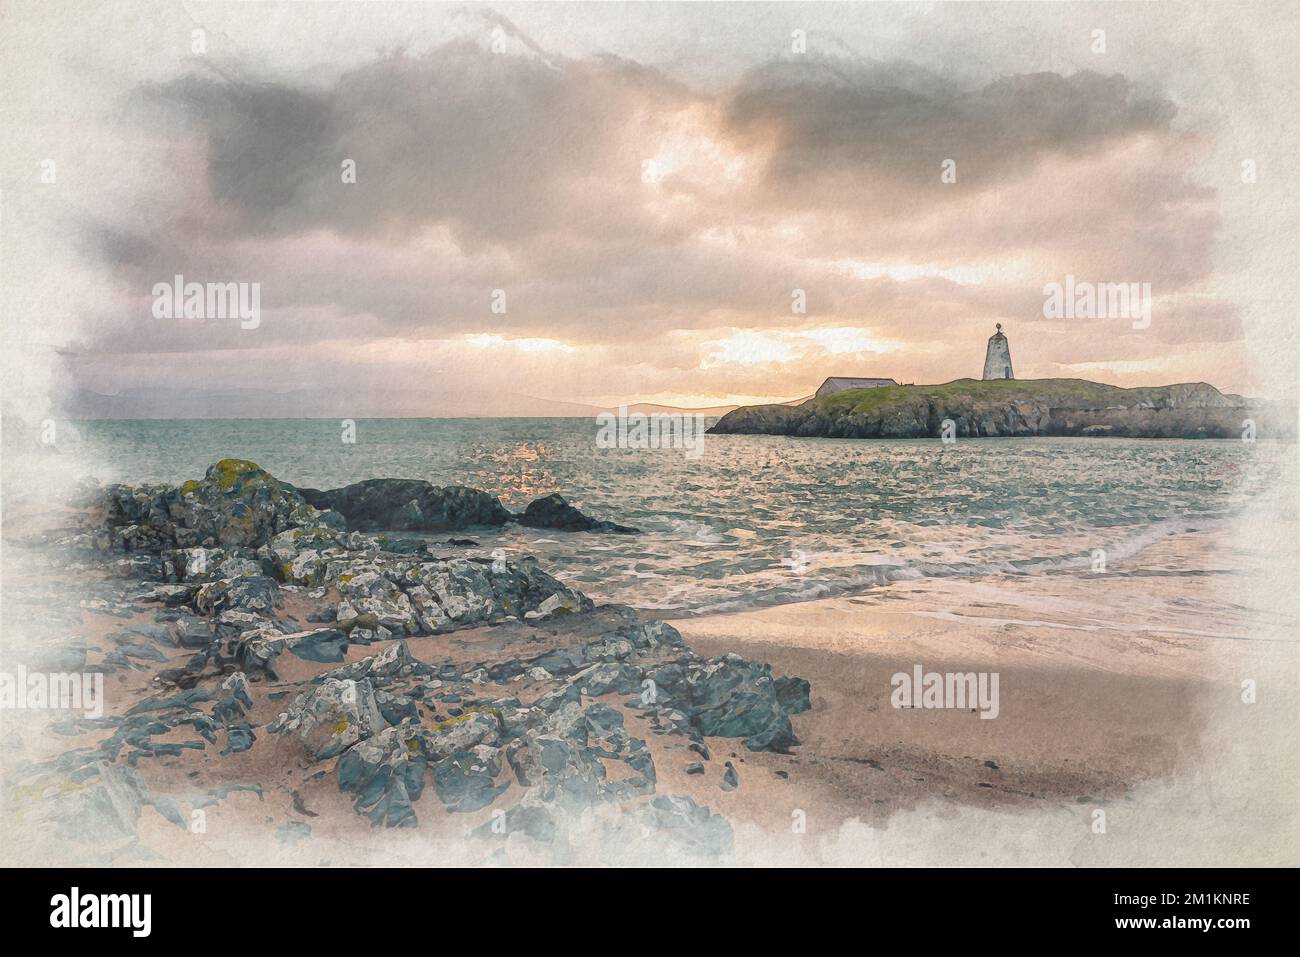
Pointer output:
x,y
501,146
899,122
266,142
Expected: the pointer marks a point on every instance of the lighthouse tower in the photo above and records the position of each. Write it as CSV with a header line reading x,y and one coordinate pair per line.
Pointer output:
x,y
997,360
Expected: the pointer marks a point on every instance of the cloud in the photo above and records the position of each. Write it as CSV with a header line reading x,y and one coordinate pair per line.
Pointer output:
x,y
648,235
499,146
882,124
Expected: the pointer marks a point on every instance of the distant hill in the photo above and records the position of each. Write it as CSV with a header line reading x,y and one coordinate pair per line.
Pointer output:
x,y
1017,407
650,408
329,403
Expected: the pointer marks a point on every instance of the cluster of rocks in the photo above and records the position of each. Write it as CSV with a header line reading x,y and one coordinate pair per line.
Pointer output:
x,y
556,742
393,505
216,562
238,504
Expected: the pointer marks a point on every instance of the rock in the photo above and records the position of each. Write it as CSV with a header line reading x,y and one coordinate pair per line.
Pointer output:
x,y
561,761
396,708
465,780
606,677
553,606
257,593
189,631
208,564
235,504
169,595
256,651
233,623
385,774
234,700
529,817
239,520
405,546
159,715
459,734
332,717
730,779
410,597
554,512
793,694
395,661
395,614
602,720
562,770
727,697
409,505
239,737
323,646
240,541
301,556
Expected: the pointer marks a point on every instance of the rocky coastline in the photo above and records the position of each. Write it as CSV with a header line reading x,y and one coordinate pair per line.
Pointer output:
x,y
1017,407
239,613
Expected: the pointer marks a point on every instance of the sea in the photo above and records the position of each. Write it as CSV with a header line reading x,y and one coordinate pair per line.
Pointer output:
x,y
749,520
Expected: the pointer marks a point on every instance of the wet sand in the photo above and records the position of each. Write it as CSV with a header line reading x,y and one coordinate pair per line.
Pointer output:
x,y
1112,687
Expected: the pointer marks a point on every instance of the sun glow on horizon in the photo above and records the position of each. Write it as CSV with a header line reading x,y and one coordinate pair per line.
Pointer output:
x,y
759,347
535,346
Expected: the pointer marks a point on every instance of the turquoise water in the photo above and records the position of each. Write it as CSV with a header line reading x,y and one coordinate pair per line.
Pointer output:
x,y
754,519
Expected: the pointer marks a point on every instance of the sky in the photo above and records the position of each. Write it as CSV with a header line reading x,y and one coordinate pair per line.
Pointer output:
x,y
694,204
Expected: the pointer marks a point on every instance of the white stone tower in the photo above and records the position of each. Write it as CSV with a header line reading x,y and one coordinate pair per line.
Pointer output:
x,y
997,360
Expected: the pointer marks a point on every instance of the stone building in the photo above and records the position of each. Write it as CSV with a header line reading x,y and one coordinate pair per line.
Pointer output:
x,y
997,358
840,383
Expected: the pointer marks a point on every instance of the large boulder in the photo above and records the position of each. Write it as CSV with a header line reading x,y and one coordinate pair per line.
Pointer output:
x,y
236,503
332,717
409,505
553,512
730,697
255,593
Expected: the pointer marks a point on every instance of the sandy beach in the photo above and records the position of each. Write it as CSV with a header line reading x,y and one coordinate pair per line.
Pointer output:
x,y
1114,688
1120,724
